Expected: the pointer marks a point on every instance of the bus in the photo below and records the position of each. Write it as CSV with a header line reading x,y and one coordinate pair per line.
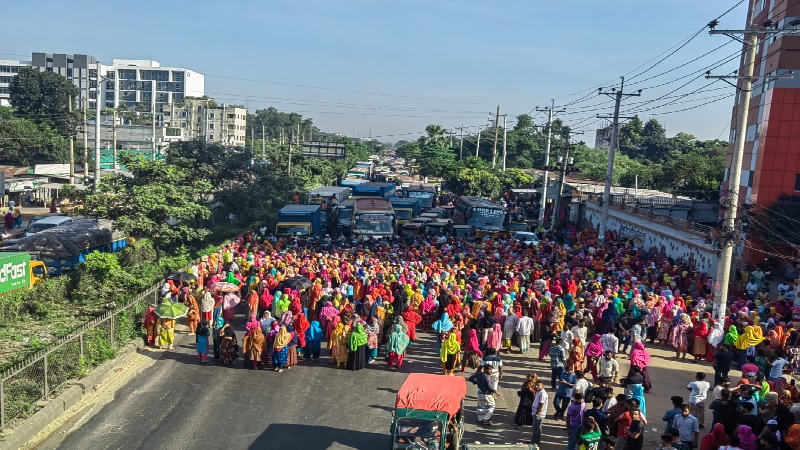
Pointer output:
x,y
373,217
480,213
426,192
358,173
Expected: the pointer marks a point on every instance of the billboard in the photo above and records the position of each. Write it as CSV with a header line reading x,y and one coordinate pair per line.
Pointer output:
x,y
328,150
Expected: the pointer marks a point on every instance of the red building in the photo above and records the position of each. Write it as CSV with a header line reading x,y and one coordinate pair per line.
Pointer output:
x,y
771,164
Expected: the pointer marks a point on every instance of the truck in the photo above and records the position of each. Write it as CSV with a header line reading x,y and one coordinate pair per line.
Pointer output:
x,y
342,218
381,190
327,193
352,182
373,217
18,271
427,192
406,209
63,248
300,220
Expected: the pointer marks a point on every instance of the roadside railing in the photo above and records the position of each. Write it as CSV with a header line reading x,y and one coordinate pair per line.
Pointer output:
x,y
47,373
649,214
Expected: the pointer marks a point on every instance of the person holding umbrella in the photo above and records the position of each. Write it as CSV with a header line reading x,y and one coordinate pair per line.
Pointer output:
x,y
167,312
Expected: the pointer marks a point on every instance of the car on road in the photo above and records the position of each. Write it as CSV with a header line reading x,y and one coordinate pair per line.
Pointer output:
x,y
36,226
526,237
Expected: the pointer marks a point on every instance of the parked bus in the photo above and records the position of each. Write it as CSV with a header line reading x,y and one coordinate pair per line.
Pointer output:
x,y
373,217
426,192
358,173
481,214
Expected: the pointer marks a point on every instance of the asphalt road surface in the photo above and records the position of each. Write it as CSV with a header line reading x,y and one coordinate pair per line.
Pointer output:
x,y
177,403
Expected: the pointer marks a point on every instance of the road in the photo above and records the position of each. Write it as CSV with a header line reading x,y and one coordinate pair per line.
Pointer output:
x,y
179,404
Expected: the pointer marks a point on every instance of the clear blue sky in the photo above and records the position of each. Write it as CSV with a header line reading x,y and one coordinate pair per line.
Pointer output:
x,y
458,59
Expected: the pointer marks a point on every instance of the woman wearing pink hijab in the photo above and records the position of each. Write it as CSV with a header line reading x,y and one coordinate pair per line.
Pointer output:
x,y
593,353
495,337
640,357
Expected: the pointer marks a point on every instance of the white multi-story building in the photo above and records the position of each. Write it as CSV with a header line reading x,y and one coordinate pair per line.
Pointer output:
x,y
203,118
142,82
8,70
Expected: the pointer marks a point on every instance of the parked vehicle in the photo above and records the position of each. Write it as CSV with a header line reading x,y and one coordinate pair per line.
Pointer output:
x,y
63,248
405,209
481,213
328,193
462,231
46,223
341,222
373,217
427,192
382,190
429,413
526,237
18,271
300,220
411,229
352,182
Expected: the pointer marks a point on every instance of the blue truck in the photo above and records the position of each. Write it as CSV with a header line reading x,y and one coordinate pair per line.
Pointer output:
x,y
63,248
301,220
406,209
382,190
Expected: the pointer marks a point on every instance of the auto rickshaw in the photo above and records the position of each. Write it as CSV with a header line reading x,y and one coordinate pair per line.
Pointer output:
x,y
429,413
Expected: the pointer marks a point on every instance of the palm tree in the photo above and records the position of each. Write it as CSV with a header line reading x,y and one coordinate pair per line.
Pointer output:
x,y
436,134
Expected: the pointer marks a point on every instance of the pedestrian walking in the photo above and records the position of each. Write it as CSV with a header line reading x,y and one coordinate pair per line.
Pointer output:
x,y
486,395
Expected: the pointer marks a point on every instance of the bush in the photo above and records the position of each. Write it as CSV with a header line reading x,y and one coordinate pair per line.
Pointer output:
x,y
141,252
101,279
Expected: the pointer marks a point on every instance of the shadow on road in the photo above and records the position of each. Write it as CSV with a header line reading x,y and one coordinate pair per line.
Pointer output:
x,y
288,435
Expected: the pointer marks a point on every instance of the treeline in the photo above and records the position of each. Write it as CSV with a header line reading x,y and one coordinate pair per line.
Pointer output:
x,y
681,165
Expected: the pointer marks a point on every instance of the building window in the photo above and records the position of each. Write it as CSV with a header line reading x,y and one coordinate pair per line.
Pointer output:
x,y
183,124
797,182
750,178
177,76
211,115
183,114
211,126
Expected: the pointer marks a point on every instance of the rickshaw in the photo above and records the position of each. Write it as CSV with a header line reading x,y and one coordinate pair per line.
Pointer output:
x,y
429,413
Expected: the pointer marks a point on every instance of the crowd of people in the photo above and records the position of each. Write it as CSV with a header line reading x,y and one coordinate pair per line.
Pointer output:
x,y
583,301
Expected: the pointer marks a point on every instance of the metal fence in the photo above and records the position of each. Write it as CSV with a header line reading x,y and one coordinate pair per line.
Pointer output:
x,y
47,373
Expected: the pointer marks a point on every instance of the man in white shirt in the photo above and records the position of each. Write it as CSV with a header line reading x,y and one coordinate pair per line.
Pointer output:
x,y
776,369
524,329
539,412
751,288
566,340
609,367
697,397
725,383
582,384
580,331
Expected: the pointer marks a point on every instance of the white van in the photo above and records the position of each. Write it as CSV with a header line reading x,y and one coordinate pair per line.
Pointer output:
x,y
47,223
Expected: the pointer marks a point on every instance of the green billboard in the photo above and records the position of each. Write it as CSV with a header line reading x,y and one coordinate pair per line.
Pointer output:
x,y
14,271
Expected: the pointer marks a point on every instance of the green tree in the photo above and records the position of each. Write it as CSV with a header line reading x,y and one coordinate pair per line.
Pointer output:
x,y
514,179
630,137
44,97
24,141
436,135
654,141
161,201
409,151
482,183
436,161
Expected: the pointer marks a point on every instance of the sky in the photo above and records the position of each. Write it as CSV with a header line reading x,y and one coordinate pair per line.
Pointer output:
x,y
388,68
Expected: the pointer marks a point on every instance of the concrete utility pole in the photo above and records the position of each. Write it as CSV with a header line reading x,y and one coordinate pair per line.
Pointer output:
x,y
71,148
618,96
478,145
85,141
550,111
153,109
97,133
263,141
505,136
496,130
563,173
114,164
750,48
461,146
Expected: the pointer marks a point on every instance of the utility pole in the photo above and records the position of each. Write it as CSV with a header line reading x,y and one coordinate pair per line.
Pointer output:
x,y
496,130
730,230
550,111
289,168
263,141
153,108
461,144
85,141
478,145
97,132
563,173
71,147
618,96
505,135
114,140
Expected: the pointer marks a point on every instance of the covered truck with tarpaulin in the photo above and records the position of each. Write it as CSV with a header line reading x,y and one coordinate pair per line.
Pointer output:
x,y
429,413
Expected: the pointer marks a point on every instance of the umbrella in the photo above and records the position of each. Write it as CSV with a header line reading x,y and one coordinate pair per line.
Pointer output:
x,y
181,276
297,283
170,310
224,286
230,301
